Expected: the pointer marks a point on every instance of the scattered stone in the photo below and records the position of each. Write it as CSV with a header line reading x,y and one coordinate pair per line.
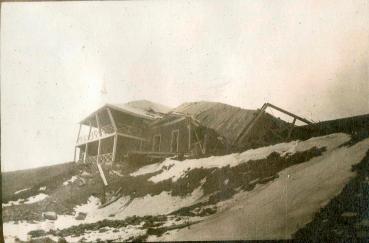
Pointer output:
x,y
37,233
49,215
86,174
348,214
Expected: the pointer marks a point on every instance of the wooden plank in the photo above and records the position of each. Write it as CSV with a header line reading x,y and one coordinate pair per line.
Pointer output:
x,y
114,147
289,113
75,151
102,174
85,155
171,122
290,130
112,119
98,151
130,136
189,136
252,123
98,122
79,132
89,132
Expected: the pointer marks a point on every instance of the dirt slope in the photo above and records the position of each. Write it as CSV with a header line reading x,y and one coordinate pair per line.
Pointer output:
x,y
268,192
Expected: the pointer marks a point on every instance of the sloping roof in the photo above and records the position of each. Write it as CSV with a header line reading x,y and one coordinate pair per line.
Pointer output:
x,y
142,108
228,121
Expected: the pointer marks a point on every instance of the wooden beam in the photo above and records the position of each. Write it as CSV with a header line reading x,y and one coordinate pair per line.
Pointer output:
x,y
75,151
199,142
112,119
251,124
171,122
131,136
89,132
189,136
114,148
79,132
85,155
102,175
289,113
290,130
98,122
98,151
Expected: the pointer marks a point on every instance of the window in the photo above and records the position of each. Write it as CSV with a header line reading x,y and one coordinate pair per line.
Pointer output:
x,y
175,141
156,143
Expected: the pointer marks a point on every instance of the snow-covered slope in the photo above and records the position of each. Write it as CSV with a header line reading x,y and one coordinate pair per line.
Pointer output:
x,y
278,209
264,193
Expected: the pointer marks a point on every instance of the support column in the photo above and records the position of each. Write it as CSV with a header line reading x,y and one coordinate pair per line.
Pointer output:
x,y
189,135
98,151
290,131
98,122
85,155
79,132
114,148
75,151
89,132
112,119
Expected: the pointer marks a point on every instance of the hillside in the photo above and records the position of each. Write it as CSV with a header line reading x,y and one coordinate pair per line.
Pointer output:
x,y
265,193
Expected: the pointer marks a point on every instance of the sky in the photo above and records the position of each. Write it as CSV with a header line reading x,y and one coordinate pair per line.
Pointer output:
x,y
62,60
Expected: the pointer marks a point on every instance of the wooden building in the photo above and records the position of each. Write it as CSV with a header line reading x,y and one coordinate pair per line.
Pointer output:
x,y
114,133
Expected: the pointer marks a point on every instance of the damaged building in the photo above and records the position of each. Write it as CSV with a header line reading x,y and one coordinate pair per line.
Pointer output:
x,y
142,132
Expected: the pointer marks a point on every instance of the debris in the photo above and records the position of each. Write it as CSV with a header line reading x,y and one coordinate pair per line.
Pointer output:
x,y
81,216
86,174
49,215
42,189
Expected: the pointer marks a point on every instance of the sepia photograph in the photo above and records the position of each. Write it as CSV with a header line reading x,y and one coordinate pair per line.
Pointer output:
x,y
184,120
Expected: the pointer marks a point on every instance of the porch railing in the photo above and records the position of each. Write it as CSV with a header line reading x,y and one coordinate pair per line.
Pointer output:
x,y
108,129
103,158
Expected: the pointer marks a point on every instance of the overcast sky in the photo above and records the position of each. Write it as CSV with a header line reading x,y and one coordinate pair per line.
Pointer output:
x,y
62,60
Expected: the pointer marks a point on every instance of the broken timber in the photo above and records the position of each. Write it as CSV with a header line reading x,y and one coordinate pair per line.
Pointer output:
x,y
246,131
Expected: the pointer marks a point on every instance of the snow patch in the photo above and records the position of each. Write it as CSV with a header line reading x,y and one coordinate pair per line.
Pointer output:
x,y
23,190
172,169
30,200
279,208
71,180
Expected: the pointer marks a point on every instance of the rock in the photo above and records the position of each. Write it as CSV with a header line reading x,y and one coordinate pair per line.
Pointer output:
x,y
348,214
81,182
37,233
80,216
49,215
86,174
349,217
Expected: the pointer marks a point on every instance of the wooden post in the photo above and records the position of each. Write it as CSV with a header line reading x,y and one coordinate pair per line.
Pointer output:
x,y
98,151
85,155
98,122
290,131
115,147
112,119
189,136
79,132
75,151
89,132
205,142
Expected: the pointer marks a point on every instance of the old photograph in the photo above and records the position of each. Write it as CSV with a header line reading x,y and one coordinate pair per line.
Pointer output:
x,y
184,120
